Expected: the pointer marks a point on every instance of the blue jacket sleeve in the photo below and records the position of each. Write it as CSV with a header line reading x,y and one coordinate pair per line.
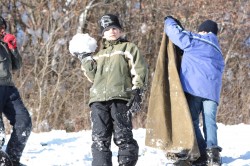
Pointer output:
x,y
176,34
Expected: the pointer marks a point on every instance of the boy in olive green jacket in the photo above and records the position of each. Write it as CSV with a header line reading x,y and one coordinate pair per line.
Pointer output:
x,y
119,74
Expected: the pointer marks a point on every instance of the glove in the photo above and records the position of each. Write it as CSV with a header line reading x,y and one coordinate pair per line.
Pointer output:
x,y
169,17
10,40
135,101
176,20
82,55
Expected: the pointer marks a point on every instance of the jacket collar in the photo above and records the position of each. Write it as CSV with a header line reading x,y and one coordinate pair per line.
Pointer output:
x,y
108,43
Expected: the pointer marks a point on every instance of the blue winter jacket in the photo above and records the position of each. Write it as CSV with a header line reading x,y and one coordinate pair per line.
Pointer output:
x,y
202,63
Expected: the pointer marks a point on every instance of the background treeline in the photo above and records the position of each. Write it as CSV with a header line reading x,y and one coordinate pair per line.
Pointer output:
x,y
54,88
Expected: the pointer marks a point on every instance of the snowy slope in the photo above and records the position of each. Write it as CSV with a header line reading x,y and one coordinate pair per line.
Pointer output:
x,y
58,148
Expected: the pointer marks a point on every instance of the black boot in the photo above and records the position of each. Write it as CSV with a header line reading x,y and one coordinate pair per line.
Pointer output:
x,y
201,161
213,155
131,163
182,163
17,163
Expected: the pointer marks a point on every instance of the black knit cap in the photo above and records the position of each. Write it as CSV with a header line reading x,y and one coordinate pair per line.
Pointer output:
x,y
108,21
3,22
208,26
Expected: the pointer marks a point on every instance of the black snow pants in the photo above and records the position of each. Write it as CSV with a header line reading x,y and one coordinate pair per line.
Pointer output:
x,y
13,108
112,117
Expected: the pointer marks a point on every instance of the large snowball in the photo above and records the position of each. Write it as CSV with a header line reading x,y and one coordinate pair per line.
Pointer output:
x,y
82,43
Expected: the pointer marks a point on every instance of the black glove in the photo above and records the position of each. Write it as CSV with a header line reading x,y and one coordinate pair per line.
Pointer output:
x,y
169,17
176,20
135,101
82,55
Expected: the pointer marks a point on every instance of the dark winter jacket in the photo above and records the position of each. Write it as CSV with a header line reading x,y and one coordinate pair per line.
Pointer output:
x,y
9,60
202,63
115,70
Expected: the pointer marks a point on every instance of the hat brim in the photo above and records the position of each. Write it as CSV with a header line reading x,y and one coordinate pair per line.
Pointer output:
x,y
111,26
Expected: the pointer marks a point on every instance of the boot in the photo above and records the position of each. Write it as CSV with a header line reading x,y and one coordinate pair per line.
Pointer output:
x,y
182,163
17,163
131,163
179,158
213,155
201,161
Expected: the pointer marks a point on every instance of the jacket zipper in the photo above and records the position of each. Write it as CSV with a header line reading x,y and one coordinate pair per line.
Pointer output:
x,y
108,73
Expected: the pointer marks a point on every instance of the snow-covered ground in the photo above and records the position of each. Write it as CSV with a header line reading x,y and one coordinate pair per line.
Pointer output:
x,y
58,148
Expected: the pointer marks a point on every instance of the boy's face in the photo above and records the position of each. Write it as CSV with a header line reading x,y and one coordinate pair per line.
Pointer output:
x,y
112,33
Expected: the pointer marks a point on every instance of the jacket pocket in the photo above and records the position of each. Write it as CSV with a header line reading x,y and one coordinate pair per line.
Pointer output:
x,y
4,67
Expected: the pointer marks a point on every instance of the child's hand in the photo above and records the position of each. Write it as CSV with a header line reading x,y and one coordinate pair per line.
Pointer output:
x,y
176,20
169,17
82,55
10,40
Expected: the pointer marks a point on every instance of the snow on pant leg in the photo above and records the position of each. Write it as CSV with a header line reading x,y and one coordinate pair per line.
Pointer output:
x,y
195,106
2,104
123,136
102,128
209,122
2,132
20,119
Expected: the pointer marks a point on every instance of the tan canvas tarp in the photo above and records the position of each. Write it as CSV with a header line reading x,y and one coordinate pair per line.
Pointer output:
x,y
169,126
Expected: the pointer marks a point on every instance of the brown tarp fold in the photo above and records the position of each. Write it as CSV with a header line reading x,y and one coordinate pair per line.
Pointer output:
x,y
169,125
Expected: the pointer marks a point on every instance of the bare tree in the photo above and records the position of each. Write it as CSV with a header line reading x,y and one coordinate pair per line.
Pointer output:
x,y
52,84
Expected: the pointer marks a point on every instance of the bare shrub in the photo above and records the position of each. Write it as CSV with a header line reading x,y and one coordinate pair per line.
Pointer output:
x,y
52,84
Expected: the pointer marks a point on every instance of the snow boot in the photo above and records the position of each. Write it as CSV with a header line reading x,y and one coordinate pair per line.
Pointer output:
x,y
213,155
16,163
201,161
182,163
179,158
132,163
